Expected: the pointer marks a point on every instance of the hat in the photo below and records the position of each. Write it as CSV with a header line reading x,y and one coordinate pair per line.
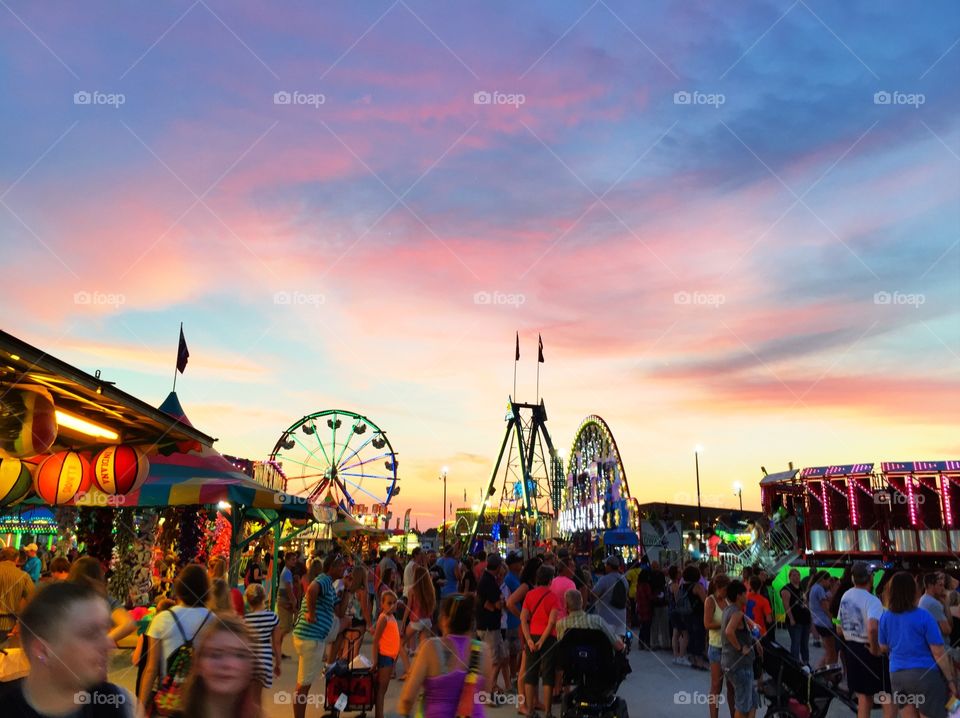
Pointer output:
x,y
613,560
860,572
494,560
513,557
30,547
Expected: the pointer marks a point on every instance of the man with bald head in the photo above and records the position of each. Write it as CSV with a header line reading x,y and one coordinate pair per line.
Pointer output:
x,y
576,618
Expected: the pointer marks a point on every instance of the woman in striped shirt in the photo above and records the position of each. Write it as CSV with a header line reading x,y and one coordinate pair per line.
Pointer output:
x,y
264,626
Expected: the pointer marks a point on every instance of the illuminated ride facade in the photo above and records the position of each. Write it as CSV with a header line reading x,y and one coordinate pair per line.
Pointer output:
x,y
907,512
596,505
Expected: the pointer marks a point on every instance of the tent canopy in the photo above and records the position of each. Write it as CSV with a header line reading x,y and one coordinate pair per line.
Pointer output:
x,y
201,477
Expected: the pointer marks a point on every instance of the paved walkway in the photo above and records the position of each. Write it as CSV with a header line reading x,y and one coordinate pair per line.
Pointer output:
x,y
655,689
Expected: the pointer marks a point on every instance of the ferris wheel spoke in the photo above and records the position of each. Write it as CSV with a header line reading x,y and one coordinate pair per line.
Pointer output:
x,y
353,433
366,476
333,436
304,447
299,463
358,487
316,435
366,461
361,448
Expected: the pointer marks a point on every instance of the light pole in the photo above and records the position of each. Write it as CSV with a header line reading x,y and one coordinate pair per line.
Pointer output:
x,y
443,476
738,490
696,462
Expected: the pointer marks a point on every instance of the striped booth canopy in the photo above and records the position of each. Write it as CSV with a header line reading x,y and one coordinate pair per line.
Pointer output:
x,y
202,476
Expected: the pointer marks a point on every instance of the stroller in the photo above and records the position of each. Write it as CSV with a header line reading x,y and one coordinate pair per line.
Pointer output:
x,y
594,672
793,691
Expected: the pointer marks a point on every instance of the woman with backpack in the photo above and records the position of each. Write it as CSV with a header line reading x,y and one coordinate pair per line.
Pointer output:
x,y
172,634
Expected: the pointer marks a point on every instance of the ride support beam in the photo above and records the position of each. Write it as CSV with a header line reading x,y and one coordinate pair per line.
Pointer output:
x,y
493,479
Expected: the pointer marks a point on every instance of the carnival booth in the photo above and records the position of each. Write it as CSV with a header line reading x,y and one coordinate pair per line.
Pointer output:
x,y
122,477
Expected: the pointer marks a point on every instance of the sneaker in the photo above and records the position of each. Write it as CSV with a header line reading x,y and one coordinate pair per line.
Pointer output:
x,y
683,661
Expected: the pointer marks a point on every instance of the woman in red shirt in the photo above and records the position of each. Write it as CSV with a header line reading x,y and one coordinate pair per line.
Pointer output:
x,y
538,620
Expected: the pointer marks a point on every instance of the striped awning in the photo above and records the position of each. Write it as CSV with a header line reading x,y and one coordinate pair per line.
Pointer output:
x,y
199,478
202,476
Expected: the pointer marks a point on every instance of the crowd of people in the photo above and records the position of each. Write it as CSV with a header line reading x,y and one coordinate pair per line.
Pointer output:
x,y
897,640
442,624
446,625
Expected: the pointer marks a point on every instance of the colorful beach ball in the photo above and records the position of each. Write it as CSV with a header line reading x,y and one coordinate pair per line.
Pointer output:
x,y
16,480
28,421
120,469
62,476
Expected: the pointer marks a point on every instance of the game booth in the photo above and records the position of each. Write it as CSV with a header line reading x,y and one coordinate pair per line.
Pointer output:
x,y
907,511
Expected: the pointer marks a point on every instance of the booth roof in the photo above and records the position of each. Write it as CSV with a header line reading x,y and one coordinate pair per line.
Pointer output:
x,y
779,477
91,397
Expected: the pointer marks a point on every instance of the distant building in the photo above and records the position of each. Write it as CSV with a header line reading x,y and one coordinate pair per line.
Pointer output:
x,y
688,515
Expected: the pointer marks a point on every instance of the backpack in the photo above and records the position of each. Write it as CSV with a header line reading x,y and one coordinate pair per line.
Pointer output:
x,y
683,606
168,698
618,596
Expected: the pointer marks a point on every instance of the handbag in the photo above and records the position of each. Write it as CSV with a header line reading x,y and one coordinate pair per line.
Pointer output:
x,y
466,702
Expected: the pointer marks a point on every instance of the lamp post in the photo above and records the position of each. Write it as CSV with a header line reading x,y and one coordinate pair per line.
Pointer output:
x,y
738,491
696,462
443,476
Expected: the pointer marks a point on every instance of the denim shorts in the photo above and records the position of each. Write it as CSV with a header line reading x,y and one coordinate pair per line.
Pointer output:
x,y
745,696
386,661
713,654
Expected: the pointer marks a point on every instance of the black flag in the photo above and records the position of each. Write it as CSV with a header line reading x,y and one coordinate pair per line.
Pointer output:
x,y
540,349
182,352
517,356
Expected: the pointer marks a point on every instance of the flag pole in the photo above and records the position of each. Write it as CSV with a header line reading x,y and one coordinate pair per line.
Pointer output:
x,y
516,358
178,359
539,362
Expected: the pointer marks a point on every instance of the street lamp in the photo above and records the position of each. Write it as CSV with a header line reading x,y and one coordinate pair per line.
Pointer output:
x,y
738,491
696,462
443,476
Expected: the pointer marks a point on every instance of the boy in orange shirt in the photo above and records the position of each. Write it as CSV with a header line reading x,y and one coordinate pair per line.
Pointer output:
x,y
758,608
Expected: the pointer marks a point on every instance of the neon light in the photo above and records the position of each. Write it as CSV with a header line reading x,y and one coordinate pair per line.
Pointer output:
x,y
826,504
852,498
911,500
947,507
69,421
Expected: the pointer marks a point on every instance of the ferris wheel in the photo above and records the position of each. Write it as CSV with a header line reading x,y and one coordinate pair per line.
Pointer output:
x,y
341,454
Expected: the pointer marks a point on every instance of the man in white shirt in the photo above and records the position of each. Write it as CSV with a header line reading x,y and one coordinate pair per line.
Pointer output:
x,y
416,559
867,670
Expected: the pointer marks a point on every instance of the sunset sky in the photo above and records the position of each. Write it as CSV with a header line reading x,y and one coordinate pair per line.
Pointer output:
x,y
733,224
